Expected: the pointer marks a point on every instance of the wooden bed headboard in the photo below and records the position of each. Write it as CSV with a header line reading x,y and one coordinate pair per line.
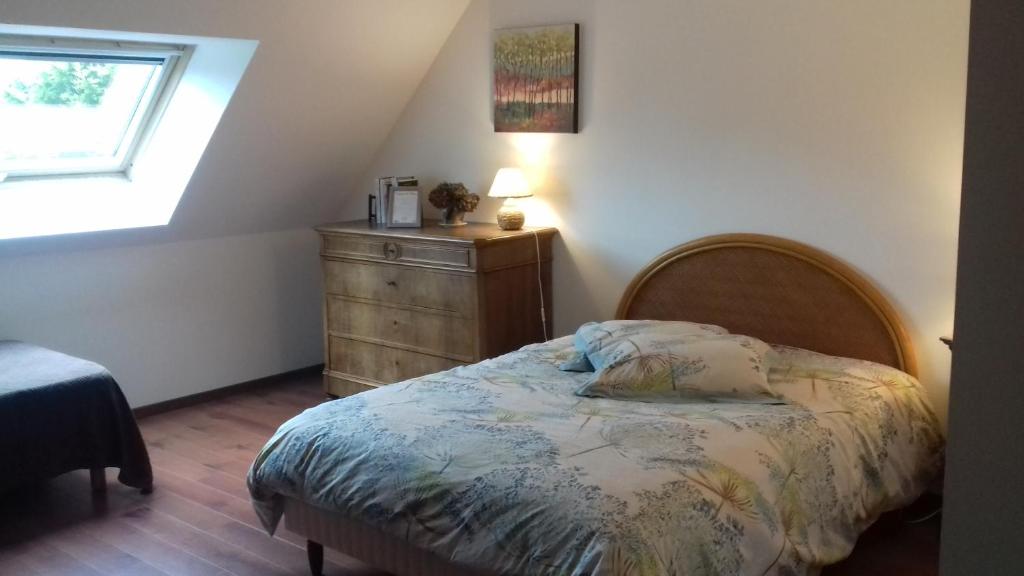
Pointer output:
x,y
778,290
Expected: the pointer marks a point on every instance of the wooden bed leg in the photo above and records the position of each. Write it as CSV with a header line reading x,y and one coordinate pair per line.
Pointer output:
x,y
315,552
98,478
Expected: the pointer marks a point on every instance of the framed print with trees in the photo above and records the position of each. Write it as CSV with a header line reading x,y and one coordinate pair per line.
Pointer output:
x,y
536,79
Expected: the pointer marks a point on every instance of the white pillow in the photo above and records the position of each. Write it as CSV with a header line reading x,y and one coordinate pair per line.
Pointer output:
x,y
592,334
579,362
674,362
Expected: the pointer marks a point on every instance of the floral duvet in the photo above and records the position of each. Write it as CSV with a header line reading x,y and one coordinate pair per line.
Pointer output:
x,y
499,467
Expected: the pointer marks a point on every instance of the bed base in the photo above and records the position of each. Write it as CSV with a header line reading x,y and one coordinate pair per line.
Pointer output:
x,y
315,553
365,543
98,480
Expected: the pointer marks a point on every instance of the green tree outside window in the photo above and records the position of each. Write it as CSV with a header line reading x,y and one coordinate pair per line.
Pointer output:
x,y
65,84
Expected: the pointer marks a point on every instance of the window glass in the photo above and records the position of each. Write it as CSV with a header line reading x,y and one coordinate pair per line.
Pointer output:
x,y
72,114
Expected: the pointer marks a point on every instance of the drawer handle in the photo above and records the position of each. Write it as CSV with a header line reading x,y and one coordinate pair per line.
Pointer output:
x,y
390,251
392,283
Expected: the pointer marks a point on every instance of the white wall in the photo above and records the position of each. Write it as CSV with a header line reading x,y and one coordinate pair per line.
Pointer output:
x,y
838,124
174,319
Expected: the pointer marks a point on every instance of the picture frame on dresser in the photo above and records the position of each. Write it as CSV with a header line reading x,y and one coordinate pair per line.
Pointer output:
x,y
404,208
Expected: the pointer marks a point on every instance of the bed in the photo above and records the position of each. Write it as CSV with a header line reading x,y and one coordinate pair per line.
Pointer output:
x,y
59,413
498,468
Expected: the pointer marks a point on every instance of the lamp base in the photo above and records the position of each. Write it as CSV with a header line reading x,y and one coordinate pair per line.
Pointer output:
x,y
510,217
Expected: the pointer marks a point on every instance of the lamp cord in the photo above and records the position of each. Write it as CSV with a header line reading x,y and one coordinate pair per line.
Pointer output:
x,y
540,285
926,517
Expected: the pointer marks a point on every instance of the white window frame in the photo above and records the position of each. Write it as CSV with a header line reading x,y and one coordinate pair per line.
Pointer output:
x,y
173,59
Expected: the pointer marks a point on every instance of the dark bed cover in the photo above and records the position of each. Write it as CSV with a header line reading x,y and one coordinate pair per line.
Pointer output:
x,y
60,413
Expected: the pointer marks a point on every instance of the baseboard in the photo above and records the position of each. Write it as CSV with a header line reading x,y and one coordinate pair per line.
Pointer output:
x,y
199,398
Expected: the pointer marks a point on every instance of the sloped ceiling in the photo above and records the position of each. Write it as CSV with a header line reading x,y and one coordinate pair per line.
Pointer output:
x,y
328,81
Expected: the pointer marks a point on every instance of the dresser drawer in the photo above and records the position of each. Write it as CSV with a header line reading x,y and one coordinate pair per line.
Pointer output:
x,y
381,363
424,330
457,256
341,386
401,285
355,246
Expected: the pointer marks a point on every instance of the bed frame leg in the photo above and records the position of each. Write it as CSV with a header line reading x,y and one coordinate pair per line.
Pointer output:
x,y
315,552
98,479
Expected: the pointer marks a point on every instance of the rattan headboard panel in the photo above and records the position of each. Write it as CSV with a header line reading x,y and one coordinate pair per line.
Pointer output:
x,y
780,291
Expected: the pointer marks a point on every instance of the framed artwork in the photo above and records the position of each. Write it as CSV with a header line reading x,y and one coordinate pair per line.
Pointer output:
x,y
404,210
536,79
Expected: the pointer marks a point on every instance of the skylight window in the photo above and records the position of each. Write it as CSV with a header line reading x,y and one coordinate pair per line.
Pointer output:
x,y
103,129
79,107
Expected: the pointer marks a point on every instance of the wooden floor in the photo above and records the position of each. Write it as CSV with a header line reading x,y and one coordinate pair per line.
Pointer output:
x,y
199,521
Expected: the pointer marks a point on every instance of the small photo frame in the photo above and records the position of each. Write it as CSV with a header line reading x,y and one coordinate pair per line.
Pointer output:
x,y
404,209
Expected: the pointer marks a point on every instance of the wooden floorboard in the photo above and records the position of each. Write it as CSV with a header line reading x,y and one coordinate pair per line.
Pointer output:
x,y
103,556
199,520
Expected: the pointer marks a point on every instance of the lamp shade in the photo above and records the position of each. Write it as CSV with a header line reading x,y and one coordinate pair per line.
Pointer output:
x,y
510,183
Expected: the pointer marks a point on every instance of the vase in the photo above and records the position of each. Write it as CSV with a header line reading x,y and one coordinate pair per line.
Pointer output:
x,y
452,217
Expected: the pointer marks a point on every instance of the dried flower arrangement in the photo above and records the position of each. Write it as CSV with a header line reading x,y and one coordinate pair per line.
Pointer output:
x,y
454,199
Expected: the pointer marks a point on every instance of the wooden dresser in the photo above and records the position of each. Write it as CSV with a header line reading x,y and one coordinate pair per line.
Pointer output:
x,y
404,302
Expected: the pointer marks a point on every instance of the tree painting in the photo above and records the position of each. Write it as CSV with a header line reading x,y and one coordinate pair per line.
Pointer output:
x,y
535,79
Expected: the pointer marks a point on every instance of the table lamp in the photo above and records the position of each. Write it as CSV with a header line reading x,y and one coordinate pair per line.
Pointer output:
x,y
510,183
